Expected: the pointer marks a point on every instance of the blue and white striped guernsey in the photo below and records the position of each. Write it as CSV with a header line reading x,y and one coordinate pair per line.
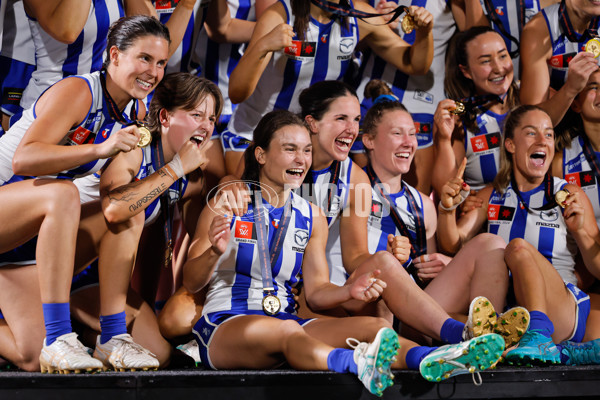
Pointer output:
x,y
16,41
483,150
56,60
236,284
218,60
420,94
325,54
513,15
563,49
175,192
381,223
331,196
95,128
545,230
578,171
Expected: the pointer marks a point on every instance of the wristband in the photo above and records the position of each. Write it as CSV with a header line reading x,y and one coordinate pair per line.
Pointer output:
x,y
463,196
176,166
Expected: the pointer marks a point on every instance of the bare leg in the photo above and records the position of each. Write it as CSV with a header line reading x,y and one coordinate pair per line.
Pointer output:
x,y
593,322
180,313
477,270
22,332
539,287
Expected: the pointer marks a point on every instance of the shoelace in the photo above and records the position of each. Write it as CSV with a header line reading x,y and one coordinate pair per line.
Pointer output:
x,y
133,345
354,343
472,370
76,347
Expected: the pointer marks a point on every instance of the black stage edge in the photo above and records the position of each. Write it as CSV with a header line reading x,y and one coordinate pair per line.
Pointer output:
x,y
504,382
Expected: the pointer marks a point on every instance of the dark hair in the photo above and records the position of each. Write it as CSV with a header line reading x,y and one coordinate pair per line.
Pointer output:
x,y
457,85
374,89
316,99
263,135
126,30
301,12
512,121
181,90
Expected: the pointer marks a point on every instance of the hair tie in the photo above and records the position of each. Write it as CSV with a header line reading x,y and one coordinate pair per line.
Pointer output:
x,y
385,97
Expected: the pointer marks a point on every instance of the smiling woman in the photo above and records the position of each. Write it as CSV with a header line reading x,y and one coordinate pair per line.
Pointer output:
x,y
59,137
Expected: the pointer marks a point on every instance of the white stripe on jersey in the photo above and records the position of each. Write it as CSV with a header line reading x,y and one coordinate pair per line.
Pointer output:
x,y
287,75
16,43
483,150
237,284
544,230
578,171
53,59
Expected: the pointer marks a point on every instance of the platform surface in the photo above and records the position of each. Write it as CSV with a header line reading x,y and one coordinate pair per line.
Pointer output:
x,y
283,384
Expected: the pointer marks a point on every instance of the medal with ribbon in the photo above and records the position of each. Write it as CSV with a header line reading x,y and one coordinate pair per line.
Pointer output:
x,y
469,105
335,170
343,9
589,36
552,200
419,244
268,255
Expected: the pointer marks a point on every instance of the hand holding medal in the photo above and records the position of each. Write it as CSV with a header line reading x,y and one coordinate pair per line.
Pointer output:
x,y
416,18
145,135
593,46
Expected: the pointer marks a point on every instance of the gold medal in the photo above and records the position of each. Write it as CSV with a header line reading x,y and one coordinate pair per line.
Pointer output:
x,y
271,304
593,46
460,108
145,136
561,196
407,23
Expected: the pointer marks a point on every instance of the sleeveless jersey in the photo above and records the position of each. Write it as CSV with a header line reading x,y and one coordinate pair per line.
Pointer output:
x,y
325,54
236,285
482,150
95,128
181,60
16,42
512,19
563,50
545,230
578,171
381,223
420,94
318,192
56,60
219,59
175,192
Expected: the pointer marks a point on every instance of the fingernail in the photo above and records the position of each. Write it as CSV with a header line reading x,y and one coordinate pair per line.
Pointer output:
x,y
464,184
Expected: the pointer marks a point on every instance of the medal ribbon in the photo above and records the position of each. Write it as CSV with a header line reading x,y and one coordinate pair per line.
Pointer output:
x,y
567,27
164,202
474,103
335,170
493,16
113,109
343,9
548,194
590,155
419,246
272,254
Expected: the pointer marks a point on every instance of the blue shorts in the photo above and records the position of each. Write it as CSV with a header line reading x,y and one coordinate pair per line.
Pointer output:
x,y
14,77
208,324
233,142
86,278
22,255
582,311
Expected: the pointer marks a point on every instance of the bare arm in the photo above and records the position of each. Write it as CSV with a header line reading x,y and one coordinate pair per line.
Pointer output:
x,y
222,28
62,19
412,60
321,294
59,109
447,153
271,33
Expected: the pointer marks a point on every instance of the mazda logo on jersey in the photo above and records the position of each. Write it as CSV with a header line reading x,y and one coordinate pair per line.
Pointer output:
x,y
550,215
301,237
347,45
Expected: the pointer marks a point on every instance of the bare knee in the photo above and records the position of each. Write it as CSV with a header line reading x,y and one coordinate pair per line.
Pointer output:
x,y
485,242
389,265
516,251
62,199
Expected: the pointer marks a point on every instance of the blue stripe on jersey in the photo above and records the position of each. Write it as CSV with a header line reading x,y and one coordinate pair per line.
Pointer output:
x,y
519,222
546,242
243,277
292,70
488,167
102,19
322,52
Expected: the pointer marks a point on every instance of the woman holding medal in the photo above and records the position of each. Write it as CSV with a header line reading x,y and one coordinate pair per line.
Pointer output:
x,y
525,207
479,71
250,269
70,131
559,51
145,183
296,43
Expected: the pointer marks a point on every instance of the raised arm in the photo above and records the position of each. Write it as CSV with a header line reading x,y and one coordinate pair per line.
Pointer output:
x,y
223,28
271,33
62,19
536,51
321,294
447,153
60,108
412,60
